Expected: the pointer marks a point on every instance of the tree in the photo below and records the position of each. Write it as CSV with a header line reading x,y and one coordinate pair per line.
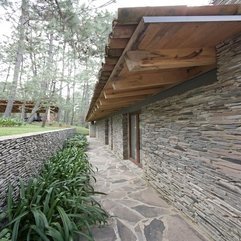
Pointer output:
x,y
19,56
62,42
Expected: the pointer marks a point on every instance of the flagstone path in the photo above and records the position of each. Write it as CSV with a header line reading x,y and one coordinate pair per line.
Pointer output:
x,y
138,212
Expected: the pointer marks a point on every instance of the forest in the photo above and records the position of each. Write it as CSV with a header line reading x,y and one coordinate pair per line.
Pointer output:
x,y
51,55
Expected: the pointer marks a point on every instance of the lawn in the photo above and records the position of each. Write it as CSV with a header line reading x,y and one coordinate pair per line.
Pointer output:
x,y
7,131
82,130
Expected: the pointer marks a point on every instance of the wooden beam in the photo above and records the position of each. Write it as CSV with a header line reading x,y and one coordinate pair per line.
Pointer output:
x,y
169,58
119,101
149,80
133,15
107,67
165,78
111,61
114,52
118,43
111,94
123,31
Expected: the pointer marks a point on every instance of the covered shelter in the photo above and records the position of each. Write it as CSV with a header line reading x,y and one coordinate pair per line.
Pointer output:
x,y
28,106
154,48
168,99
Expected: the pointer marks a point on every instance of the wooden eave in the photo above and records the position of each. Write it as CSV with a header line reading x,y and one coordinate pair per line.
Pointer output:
x,y
28,106
169,45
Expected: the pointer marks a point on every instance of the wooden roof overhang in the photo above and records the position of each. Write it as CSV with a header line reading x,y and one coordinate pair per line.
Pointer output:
x,y
159,52
28,105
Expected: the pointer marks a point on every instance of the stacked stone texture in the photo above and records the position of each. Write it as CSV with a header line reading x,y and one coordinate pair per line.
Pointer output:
x,y
191,149
117,134
222,2
100,130
23,157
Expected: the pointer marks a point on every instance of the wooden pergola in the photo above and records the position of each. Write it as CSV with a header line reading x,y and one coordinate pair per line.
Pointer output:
x,y
154,48
27,105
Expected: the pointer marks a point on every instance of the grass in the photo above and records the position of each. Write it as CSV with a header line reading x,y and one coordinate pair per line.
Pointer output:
x,y
7,131
82,130
15,130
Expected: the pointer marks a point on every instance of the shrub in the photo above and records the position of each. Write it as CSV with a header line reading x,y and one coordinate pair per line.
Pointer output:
x,y
58,205
9,122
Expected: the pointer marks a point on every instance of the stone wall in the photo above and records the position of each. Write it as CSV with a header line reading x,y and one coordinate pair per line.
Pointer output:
x,y
117,134
191,149
21,157
119,125
100,130
222,2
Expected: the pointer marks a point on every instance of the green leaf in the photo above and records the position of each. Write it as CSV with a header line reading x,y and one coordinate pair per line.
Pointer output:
x,y
40,233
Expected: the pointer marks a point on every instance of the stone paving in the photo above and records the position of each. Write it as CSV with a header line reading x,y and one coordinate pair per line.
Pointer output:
x,y
138,212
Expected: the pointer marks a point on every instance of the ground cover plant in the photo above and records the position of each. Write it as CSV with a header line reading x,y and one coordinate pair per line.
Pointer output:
x,y
58,204
9,122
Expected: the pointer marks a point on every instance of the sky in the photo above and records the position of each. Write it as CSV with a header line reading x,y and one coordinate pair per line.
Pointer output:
x,y
144,3
5,27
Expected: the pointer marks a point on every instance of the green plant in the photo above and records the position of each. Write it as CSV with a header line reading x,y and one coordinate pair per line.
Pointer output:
x,y
9,122
58,205
79,141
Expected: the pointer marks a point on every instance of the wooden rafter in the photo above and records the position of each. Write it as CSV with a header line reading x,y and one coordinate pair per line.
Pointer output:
x,y
112,94
148,54
150,80
139,60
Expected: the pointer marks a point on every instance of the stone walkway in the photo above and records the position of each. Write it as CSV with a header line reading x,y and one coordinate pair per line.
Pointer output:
x,y
138,213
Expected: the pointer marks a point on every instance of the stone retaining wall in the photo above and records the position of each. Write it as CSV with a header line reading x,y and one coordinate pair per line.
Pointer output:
x,y
191,149
22,156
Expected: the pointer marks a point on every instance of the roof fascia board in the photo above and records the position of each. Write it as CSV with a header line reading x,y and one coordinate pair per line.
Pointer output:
x,y
191,19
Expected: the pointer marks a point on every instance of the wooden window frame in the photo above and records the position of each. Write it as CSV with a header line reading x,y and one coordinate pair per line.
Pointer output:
x,y
137,160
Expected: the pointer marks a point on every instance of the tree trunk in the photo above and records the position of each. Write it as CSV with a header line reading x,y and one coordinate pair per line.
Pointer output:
x,y
6,80
44,118
44,83
59,115
33,112
73,105
19,56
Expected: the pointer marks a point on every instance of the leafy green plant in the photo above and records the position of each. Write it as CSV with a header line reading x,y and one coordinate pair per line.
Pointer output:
x,y
79,141
58,205
9,122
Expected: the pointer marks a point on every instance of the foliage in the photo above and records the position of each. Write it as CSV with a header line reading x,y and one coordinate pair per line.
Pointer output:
x,y
78,141
9,122
63,44
58,205
82,130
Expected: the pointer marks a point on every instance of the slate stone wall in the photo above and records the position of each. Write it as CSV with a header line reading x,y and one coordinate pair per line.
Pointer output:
x,y
117,125
22,157
191,149
100,130
222,2
117,134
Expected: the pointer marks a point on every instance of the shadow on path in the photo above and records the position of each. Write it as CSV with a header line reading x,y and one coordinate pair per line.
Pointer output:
x,y
138,212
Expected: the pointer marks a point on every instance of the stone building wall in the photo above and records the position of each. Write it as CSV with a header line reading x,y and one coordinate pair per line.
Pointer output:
x,y
100,130
117,134
119,123
222,2
191,148
21,157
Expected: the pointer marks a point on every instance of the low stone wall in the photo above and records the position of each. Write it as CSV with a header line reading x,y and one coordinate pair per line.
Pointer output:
x,y
22,156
